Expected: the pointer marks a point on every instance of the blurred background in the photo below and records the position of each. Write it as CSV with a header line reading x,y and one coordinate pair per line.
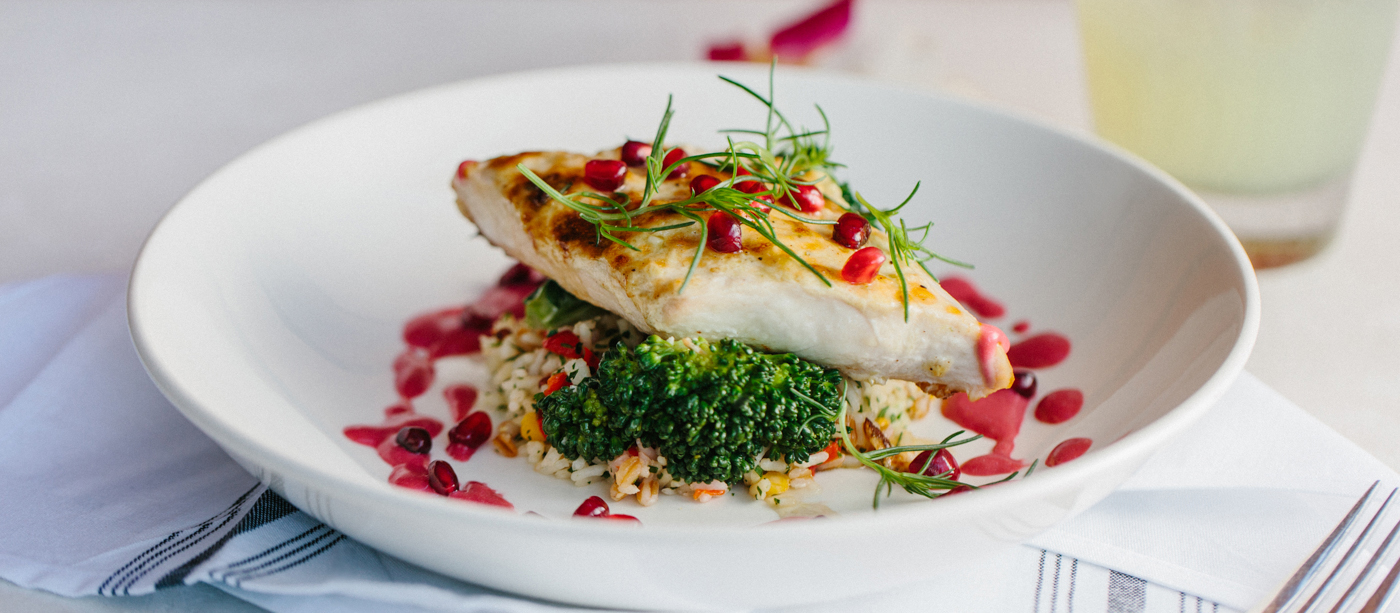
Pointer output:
x,y
111,111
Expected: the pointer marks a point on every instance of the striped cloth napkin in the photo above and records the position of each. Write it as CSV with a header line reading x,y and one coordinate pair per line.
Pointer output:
x,y
106,489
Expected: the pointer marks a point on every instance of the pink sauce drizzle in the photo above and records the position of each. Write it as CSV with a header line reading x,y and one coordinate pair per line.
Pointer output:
x,y
1021,327
991,344
478,492
966,293
998,417
410,470
1068,450
1039,351
1059,406
429,337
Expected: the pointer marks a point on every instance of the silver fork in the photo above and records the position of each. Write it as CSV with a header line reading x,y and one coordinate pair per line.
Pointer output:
x,y
1294,589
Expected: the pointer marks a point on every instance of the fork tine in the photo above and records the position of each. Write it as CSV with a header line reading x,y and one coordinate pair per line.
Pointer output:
x,y
1381,599
1351,552
1366,571
1309,568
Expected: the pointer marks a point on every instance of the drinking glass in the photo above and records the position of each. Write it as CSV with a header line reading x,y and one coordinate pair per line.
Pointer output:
x,y
1260,106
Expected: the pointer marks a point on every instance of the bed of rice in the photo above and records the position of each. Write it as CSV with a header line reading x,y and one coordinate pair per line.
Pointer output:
x,y
879,415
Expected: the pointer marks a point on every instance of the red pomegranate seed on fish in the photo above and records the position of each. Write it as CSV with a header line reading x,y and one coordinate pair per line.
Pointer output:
x,y
851,231
1059,406
1024,384
471,432
726,233
414,439
1069,450
805,198
936,463
442,478
863,265
413,373
593,507
635,153
460,399
702,183
675,155
604,175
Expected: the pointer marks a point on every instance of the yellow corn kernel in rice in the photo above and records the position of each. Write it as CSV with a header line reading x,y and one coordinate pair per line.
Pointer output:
x,y
530,427
778,482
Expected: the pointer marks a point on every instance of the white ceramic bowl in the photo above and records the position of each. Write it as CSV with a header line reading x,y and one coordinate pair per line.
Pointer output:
x,y
268,303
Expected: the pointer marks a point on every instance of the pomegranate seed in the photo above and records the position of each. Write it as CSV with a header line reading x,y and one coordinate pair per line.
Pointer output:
x,y
851,231
604,175
593,507
938,462
805,198
726,234
564,344
635,153
414,439
1024,384
521,274
702,184
1059,406
472,431
863,265
761,202
1068,450
672,157
413,372
442,478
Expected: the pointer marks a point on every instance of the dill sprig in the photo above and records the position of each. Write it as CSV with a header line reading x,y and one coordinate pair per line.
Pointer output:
x,y
788,156
903,249
928,486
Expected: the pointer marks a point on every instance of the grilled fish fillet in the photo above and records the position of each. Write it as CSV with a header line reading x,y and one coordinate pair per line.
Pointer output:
x,y
760,295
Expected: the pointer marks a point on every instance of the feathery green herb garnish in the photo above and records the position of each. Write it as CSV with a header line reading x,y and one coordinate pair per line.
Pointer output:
x,y
789,156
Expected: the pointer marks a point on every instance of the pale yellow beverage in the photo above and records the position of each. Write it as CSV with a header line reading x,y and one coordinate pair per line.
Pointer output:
x,y
1247,97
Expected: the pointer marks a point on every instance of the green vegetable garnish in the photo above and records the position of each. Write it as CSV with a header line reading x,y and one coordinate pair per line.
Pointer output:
x,y
551,306
711,410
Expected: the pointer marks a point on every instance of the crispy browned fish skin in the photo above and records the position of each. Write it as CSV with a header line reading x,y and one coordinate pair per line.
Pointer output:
x,y
759,295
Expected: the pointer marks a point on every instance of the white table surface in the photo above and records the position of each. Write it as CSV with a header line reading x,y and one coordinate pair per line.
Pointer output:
x,y
109,112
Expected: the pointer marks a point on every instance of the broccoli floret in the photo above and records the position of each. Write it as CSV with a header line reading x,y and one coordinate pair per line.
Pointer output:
x,y
710,411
